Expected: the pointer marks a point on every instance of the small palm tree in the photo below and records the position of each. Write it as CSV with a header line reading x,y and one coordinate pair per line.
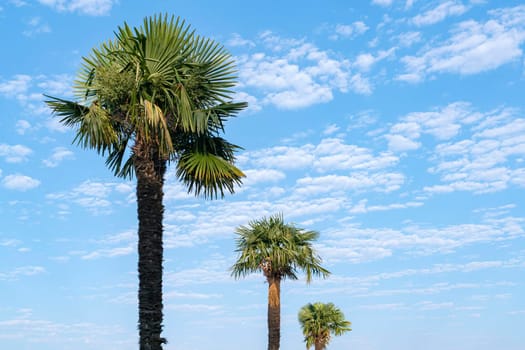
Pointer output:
x,y
155,95
279,250
319,321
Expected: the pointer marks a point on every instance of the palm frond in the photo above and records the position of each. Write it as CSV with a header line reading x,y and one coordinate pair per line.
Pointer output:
x,y
95,128
208,174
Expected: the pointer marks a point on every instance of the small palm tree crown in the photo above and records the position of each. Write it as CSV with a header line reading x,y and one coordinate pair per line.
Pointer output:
x,y
277,249
319,321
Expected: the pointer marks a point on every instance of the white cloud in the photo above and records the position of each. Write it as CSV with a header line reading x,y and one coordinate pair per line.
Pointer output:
x,y
36,26
56,85
21,271
443,123
97,197
28,91
330,129
384,3
409,3
474,47
193,307
408,39
485,162
282,157
362,207
19,182
439,13
256,176
254,105
330,154
10,242
334,154
364,62
22,126
17,86
59,154
14,153
25,328
349,30
301,76
191,295
360,84
108,253
400,143
87,7
237,40
377,182
355,244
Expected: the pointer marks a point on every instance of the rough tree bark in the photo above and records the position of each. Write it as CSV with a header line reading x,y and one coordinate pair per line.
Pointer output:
x,y
150,172
274,313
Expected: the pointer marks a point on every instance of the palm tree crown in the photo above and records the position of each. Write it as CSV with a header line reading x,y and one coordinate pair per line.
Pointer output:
x,y
163,88
277,249
319,321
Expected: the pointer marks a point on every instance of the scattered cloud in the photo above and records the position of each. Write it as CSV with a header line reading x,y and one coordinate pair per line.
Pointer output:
x,y
15,153
442,123
361,207
487,161
85,7
346,31
22,126
19,182
330,129
384,3
407,39
28,91
26,327
365,61
36,26
439,13
298,75
96,197
15,87
237,40
108,253
18,272
193,307
59,154
473,47
355,244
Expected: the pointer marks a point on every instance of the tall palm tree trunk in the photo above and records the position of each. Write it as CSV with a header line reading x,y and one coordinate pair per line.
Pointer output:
x,y
319,346
274,313
150,179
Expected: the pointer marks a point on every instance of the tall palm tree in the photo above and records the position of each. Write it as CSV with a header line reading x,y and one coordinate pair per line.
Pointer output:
x,y
319,321
154,95
280,251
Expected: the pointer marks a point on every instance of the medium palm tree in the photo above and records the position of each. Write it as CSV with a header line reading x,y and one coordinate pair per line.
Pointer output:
x,y
319,321
154,95
280,251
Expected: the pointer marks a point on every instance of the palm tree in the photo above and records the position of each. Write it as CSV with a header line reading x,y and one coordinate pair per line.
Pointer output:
x,y
279,250
154,95
319,321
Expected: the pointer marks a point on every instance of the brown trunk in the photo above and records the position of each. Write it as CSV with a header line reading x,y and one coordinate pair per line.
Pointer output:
x,y
150,179
319,346
274,313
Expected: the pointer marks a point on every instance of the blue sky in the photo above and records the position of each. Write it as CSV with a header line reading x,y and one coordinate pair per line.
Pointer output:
x,y
395,128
